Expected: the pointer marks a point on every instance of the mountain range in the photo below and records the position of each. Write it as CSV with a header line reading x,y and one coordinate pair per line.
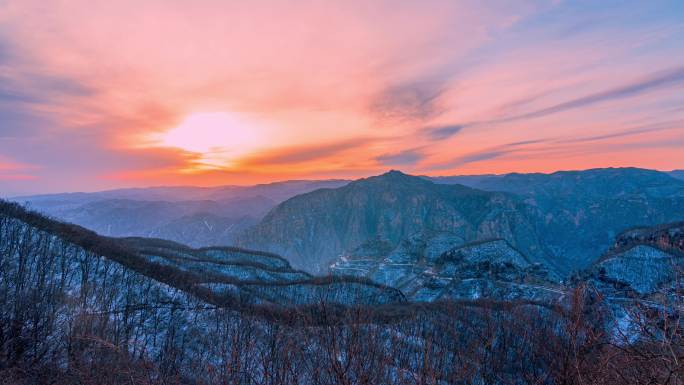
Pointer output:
x,y
513,276
562,220
427,266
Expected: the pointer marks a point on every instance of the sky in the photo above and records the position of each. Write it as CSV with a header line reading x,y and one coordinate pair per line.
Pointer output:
x,y
105,94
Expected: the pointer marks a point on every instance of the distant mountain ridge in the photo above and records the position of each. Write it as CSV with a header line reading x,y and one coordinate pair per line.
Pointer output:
x,y
277,191
197,216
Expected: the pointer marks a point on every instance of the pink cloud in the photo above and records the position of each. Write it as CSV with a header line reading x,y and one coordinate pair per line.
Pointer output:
x,y
11,171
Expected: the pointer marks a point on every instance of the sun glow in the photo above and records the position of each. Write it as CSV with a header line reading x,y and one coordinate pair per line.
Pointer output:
x,y
218,137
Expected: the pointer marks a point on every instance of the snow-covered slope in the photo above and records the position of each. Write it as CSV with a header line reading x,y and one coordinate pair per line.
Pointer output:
x,y
217,275
489,269
643,262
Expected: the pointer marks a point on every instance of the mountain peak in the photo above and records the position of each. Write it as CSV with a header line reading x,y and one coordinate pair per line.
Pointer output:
x,y
392,174
392,178
395,175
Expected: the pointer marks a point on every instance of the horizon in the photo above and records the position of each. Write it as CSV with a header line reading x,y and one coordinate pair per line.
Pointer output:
x,y
11,197
96,97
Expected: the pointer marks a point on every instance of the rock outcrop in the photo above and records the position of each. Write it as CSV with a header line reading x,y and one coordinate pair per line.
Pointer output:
x,y
643,262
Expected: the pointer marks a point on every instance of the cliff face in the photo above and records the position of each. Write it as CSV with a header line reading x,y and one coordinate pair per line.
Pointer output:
x,y
668,237
314,229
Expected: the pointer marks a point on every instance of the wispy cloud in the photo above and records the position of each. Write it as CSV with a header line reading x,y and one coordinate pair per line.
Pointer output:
x,y
412,102
486,154
12,171
667,78
443,132
475,157
403,158
660,126
293,155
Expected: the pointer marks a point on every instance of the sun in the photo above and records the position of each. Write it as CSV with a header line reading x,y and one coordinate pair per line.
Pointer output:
x,y
218,137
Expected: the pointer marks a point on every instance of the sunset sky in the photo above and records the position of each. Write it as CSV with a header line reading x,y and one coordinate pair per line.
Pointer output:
x,y
105,94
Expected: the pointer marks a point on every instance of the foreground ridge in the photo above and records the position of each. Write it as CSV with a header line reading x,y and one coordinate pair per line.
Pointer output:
x,y
229,277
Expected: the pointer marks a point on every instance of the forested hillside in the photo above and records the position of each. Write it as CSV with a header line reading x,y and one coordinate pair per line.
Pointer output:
x,y
79,308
